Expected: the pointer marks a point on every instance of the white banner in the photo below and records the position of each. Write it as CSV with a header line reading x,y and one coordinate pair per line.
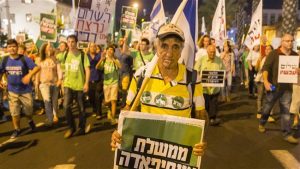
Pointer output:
x,y
203,28
255,30
94,19
218,31
286,69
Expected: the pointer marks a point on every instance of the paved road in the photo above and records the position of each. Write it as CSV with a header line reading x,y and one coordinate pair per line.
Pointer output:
x,y
236,144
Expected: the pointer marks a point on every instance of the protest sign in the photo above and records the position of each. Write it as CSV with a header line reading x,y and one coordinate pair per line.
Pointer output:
x,y
94,19
213,78
128,18
82,45
145,25
48,27
157,141
286,69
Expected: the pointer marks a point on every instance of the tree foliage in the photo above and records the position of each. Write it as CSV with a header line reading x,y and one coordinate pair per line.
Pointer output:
x,y
289,16
208,10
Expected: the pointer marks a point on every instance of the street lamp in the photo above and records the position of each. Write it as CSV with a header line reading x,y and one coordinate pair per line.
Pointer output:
x,y
136,5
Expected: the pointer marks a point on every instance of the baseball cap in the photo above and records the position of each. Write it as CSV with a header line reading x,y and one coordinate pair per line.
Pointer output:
x,y
170,29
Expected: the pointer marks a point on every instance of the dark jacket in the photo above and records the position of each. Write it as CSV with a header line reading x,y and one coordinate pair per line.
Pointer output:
x,y
271,66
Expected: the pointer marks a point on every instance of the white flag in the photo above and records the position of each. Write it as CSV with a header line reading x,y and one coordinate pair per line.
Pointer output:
x,y
218,31
203,28
255,30
158,18
186,18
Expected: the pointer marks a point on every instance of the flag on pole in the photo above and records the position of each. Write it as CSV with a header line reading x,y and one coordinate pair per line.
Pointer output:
x,y
186,18
218,31
203,28
73,14
158,18
253,36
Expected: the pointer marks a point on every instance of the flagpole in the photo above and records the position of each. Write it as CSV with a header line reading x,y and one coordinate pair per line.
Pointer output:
x,y
155,59
178,12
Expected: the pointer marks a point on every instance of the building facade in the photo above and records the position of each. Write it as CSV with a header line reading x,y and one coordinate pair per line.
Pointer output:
x,y
24,15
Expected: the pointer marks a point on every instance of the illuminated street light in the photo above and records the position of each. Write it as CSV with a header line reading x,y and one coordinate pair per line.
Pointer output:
x,y
136,5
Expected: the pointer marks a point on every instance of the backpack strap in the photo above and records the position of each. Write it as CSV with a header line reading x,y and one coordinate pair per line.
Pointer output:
x,y
22,57
65,56
142,57
82,60
191,77
4,61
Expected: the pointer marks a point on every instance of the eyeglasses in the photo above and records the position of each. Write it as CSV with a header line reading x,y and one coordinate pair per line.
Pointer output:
x,y
288,40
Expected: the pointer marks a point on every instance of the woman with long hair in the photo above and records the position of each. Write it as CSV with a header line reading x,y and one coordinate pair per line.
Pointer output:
x,y
203,42
227,57
49,80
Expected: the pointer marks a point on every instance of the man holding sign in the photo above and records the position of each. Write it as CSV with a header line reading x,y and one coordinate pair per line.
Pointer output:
x,y
212,65
167,91
278,89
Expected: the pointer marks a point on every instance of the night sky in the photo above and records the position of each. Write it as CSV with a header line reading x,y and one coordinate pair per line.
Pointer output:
x,y
169,6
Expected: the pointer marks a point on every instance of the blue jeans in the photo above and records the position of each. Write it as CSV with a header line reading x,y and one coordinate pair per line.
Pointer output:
x,y
69,94
50,97
285,98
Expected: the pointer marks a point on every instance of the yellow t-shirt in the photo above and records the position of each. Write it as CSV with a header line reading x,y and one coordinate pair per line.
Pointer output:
x,y
172,98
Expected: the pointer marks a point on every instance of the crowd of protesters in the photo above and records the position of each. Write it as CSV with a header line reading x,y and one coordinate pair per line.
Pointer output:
x,y
100,76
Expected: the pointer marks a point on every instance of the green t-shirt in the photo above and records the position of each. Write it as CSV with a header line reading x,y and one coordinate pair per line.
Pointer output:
x,y
111,74
137,59
74,74
244,59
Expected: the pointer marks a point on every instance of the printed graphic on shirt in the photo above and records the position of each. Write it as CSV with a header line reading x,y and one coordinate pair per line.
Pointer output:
x,y
160,100
146,97
48,64
14,70
177,102
73,66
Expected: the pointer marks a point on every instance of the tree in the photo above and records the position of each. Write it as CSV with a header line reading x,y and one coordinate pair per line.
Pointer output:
x,y
289,16
3,39
208,10
241,17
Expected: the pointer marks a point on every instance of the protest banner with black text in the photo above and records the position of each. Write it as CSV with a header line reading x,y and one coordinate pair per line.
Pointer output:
x,y
255,31
94,19
128,18
287,69
157,141
213,78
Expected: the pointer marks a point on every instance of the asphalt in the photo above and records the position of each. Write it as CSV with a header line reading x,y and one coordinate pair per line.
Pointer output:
x,y
235,144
